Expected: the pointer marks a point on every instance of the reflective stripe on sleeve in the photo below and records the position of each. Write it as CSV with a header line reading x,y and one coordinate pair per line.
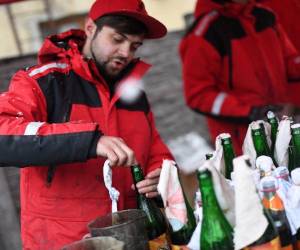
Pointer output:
x,y
205,22
46,67
217,105
32,128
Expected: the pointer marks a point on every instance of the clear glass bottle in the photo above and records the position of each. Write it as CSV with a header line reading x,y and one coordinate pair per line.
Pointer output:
x,y
274,204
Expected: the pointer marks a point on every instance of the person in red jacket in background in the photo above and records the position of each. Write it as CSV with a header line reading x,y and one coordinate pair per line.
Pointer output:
x,y
287,12
236,61
61,119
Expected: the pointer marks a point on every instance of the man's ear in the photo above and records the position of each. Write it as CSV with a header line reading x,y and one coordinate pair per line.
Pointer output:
x,y
90,28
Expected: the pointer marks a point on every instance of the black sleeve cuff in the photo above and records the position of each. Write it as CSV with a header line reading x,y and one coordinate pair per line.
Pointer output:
x,y
93,148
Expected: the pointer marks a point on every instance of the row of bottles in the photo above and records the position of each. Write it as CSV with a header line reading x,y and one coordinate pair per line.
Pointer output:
x,y
274,208
216,232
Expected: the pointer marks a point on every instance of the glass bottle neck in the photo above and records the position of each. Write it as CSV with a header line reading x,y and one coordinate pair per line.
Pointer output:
x,y
228,157
296,147
137,173
210,204
260,143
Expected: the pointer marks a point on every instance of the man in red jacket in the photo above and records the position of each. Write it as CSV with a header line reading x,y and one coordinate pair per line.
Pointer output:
x,y
236,63
61,119
287,12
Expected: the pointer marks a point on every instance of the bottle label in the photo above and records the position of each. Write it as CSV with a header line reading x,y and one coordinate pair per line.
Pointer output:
x,y
272,245
176,247
273,203
159,243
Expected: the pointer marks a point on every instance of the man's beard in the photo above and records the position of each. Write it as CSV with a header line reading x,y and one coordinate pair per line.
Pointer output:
x,y
102,68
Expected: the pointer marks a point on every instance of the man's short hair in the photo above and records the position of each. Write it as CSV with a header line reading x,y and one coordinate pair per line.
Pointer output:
x,y
123,24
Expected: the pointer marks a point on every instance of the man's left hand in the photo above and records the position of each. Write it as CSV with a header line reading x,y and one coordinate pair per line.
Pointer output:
x,y
149,185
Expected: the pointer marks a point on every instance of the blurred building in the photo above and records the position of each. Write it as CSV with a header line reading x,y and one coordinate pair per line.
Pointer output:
x,y
25,23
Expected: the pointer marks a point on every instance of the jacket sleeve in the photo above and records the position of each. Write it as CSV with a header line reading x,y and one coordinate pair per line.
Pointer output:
x,y
291,55
201,66
27,139
158,150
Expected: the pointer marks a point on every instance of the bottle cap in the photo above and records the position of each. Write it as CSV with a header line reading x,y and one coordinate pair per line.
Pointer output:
x,y
281,172
295,174
224,135
270,115
255,125
268,184
264,163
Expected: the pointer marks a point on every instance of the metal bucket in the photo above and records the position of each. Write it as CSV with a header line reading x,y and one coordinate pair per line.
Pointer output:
x,y
96,243
128,226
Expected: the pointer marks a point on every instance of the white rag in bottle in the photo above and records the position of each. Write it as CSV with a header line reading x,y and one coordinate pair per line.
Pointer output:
x,y
283,138
251,222
169,188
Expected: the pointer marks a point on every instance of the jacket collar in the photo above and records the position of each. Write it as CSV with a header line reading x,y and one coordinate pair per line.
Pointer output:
x,y
67,46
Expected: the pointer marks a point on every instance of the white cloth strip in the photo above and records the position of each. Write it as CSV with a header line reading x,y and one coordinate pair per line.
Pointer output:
x,y
217,105
46,67
32,128
204,23
113,193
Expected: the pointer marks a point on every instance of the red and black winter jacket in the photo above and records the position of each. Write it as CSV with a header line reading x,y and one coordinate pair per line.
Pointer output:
x,y
51,119
235,57
288,16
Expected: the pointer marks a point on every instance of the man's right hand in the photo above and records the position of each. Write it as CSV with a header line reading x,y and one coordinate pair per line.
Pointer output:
x,y
116,151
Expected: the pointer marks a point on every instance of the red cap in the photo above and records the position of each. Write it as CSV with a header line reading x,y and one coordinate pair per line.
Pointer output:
x,y
132,8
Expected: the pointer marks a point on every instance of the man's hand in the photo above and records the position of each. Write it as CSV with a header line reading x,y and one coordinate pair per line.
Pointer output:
x,y
115,150
149,185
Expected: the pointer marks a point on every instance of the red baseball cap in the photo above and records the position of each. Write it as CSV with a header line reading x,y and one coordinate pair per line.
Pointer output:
x,y
132,8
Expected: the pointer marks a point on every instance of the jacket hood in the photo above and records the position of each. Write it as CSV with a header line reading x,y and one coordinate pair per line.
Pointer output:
x,y
227,8
56,46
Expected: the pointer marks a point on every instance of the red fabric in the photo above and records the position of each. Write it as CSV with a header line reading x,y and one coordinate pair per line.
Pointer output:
x,y
259,69
288,15
131,8
58,215
9,1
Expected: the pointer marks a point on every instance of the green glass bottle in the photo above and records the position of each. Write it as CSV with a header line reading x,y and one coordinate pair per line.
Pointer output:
x,y
295,131
216,232
184,234
228,154
260,141
273,121
156,220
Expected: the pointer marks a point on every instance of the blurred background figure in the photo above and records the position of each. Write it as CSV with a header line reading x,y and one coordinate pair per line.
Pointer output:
x,y
33,20
236,63
288,16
